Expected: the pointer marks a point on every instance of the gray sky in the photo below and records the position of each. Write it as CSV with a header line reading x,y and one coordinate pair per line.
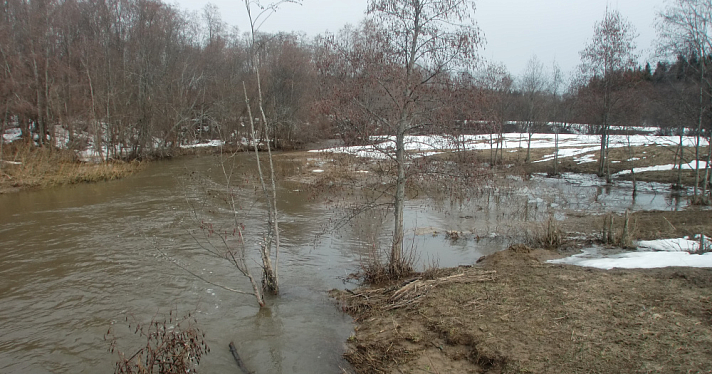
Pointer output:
x,y
515,30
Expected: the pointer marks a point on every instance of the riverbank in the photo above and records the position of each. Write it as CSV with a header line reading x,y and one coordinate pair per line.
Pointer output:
x,y
30,168
514,313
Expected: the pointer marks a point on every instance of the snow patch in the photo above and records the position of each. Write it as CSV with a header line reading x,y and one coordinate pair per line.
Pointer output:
x,y
587,158
674,245
569,144
689,166
212,143
637,260
11,135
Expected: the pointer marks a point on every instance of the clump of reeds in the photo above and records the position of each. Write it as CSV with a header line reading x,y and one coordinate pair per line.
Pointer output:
x,y
30,166
376,270
608,234
548,235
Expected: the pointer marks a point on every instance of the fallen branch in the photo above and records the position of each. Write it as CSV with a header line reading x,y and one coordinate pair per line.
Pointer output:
x,y
238,360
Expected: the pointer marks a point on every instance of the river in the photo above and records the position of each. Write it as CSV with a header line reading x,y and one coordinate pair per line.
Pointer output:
x,y
78,260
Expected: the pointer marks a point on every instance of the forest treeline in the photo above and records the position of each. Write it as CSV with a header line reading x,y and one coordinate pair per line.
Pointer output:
x,y
137,78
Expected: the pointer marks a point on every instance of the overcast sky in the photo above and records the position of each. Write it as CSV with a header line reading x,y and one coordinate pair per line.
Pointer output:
x,y
514,29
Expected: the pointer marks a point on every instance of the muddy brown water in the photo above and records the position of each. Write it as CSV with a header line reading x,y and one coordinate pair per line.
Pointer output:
x,y
75,261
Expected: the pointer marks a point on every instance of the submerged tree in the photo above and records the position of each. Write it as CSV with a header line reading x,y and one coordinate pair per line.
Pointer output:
x,y
227,240
684,28
604,61
393,75
533,84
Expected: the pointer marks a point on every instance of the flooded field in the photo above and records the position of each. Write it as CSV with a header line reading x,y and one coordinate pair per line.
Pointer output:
x,y
78,260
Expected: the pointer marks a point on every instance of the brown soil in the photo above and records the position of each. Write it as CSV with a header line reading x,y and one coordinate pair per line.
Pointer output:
x,y
513,313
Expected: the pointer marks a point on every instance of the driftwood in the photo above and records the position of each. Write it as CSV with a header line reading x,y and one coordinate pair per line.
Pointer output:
x,y
238,360
409,292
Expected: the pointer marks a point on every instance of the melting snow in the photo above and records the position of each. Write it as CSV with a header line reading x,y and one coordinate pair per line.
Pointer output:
x,y
640,260
212,143
674,245
689,166
585,158
569,144
11,135
651,254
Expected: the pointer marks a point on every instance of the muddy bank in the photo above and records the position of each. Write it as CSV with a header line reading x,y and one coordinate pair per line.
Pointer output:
x,y
514,313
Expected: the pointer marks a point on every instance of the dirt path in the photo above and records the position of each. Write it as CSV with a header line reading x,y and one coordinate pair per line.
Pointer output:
x,y
513,313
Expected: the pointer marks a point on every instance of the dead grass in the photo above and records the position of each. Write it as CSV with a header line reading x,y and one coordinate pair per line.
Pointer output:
x,y
639,157
515,314
546,235
31,167
649,225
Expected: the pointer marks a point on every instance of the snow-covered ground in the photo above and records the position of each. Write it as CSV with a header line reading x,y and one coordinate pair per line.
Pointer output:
x,y
651,254
11,135
689,166
675,245
211,143
569,144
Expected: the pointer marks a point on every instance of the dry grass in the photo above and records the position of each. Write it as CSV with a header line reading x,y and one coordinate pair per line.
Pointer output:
x,y
641,157
32,167
515,314
375,270
546,235
646,225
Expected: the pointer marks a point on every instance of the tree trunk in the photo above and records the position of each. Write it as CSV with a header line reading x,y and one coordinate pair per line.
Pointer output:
x,y
556,150
268,281
682,152
529,144
706,181
396,258
602,156
700,119
272,276
39,125
2,138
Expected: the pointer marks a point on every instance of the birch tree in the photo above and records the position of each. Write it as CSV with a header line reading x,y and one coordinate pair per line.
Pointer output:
x,y
420,41
610,53
684,28
533,85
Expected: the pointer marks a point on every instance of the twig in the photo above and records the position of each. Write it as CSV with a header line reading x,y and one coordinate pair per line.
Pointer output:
x,y
666,220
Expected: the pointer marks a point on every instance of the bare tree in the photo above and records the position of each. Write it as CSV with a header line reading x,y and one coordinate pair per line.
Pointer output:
x,y
556,110
532,84
270,279
411,47
604,60
497,85
684,29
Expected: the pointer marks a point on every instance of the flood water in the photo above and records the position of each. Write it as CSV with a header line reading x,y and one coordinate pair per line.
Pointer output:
x,y
75,261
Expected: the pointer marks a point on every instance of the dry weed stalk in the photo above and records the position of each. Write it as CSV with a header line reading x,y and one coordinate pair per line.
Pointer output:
x,y
549,236
608,234
374,270
172,346
625,240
